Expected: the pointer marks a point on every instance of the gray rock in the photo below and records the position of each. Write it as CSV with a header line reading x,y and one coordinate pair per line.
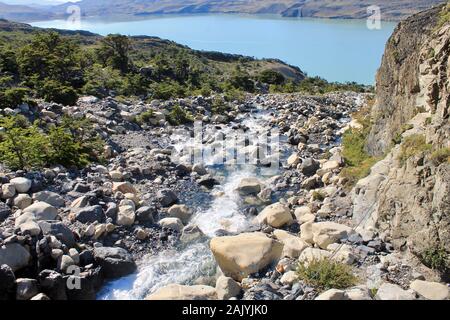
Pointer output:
x,y
5,211
50,197
22,185
15,256
42,211
309,167
52,284
227,288
7,282
145,214
64,262
115,262
26,289
166,197
389,291
90,214
40,297
59,230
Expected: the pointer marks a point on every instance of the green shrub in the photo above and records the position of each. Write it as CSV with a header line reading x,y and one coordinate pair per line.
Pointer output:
x,y
413,145
179,116
144,117
440,156
167,90
358,162
218,106
25,146
326,274
101,81
241,80
318,196
22,145
444,16
54,91
11,98
271,77
435,258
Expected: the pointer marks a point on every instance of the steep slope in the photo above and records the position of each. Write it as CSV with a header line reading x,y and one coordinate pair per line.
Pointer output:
x,y
406,196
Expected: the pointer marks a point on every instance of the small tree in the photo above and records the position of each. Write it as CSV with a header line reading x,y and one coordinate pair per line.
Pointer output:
x,y
114,51
271,77
22,145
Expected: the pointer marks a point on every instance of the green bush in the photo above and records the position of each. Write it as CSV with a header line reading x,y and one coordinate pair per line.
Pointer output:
x,y
218,106
326,274
101,81
358,162
435,258
25,146
11,98
318,196
53,91
167,90
413,145
440,156
22,145
114,51
144,117
179,116
241,80
271,77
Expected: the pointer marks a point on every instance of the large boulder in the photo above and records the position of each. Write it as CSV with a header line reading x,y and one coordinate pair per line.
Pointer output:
x,y
15,256
333,294
115,262
249,186
22,185
51,198
313,254
227,288
245,254
275,215
326,233
389,291
42,211
293,245
430,290
180,292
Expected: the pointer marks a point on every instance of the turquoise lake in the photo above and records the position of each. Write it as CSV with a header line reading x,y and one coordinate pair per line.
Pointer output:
x,y
337,50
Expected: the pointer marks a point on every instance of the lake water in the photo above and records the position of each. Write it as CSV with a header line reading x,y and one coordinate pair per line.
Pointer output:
x,y
337,50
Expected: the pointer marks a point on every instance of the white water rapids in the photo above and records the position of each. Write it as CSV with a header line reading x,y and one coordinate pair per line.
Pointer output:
x,y
193,260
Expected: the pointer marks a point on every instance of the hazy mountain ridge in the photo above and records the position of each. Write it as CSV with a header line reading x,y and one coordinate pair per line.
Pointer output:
x,y
390,10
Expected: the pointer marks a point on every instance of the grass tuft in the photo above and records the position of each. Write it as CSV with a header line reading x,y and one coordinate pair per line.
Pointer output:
x,y
326,274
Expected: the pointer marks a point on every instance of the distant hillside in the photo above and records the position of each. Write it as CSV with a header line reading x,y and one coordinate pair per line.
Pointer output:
x,y
390,9
23,13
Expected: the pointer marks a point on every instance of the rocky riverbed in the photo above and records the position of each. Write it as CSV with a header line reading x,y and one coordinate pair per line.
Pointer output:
x,y
151,223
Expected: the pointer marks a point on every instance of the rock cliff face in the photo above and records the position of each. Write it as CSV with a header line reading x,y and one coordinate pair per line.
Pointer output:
x,y
409,202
